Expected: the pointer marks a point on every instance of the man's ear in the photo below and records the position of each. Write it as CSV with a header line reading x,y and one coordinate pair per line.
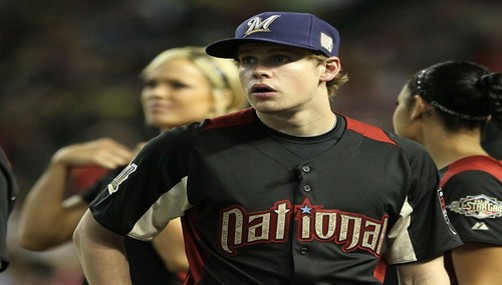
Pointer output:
x,y
332,68
419,107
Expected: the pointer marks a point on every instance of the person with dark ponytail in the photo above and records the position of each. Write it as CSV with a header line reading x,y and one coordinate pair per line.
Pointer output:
x,y
446,107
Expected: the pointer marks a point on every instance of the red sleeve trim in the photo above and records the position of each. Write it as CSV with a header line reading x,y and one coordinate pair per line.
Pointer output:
x,y
369,131
477,162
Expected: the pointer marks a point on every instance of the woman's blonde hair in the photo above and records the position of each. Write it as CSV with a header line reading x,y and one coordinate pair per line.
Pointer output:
x,y
222,74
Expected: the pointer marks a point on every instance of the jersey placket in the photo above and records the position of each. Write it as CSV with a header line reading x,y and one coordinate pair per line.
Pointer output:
x,y
304,224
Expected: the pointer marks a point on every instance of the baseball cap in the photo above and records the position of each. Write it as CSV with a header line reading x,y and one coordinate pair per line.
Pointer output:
x,y
301,30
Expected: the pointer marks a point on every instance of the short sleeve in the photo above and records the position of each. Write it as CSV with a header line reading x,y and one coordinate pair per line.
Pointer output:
x,y
423,229
474,203
149,192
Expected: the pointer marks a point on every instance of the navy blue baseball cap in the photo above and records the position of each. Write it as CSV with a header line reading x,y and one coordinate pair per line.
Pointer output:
x,y
301,30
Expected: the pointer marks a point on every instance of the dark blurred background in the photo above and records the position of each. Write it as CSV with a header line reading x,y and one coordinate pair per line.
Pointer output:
x,y
69,71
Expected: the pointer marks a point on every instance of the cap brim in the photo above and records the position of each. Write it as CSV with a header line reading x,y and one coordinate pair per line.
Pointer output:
x,y
228,48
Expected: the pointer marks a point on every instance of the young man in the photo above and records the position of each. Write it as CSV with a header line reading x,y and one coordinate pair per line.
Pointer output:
x,y
285,192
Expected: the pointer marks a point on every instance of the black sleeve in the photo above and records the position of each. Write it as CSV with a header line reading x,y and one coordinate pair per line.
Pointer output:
x,y
158,168
474,202
423,230
92,192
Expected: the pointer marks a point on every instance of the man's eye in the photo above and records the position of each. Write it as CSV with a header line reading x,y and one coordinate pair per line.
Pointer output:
x,y
246,60
280,59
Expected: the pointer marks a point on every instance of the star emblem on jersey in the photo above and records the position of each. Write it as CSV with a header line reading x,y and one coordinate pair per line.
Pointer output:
x,y
478,206
305,209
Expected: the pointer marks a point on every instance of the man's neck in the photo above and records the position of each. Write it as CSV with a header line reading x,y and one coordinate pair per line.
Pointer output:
x,y
300,124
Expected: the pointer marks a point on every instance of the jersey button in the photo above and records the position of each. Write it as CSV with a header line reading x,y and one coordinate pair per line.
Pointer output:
x,y
304,250
306,169
307,188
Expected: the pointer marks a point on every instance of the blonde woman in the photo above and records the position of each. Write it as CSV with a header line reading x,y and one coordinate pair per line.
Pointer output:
x,y
181,85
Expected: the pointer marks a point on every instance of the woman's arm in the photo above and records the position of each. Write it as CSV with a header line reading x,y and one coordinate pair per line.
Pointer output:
x,y
170,246
46,220
431,272
478,263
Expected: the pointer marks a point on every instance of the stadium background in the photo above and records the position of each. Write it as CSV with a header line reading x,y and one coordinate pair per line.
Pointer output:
x,y
69,71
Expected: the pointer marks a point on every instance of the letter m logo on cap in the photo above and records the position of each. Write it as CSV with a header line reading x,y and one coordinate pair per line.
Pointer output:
x,y
257,25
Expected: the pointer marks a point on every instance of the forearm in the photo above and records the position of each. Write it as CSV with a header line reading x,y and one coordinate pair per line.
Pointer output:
x,y
441,279
477,263
101,253
42,210
431,272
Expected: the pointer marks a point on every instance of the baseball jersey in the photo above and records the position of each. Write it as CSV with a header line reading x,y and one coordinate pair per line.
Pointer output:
x,y
473,193
258,210
8,193
145,265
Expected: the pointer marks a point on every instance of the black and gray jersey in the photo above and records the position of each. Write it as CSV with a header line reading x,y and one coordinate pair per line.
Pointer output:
x,y
472,189
259,210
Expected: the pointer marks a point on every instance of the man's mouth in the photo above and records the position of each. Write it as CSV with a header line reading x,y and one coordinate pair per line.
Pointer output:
x,y
261,88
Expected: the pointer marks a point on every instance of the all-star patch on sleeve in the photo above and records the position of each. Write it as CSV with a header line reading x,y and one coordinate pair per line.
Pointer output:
x,y
473,194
